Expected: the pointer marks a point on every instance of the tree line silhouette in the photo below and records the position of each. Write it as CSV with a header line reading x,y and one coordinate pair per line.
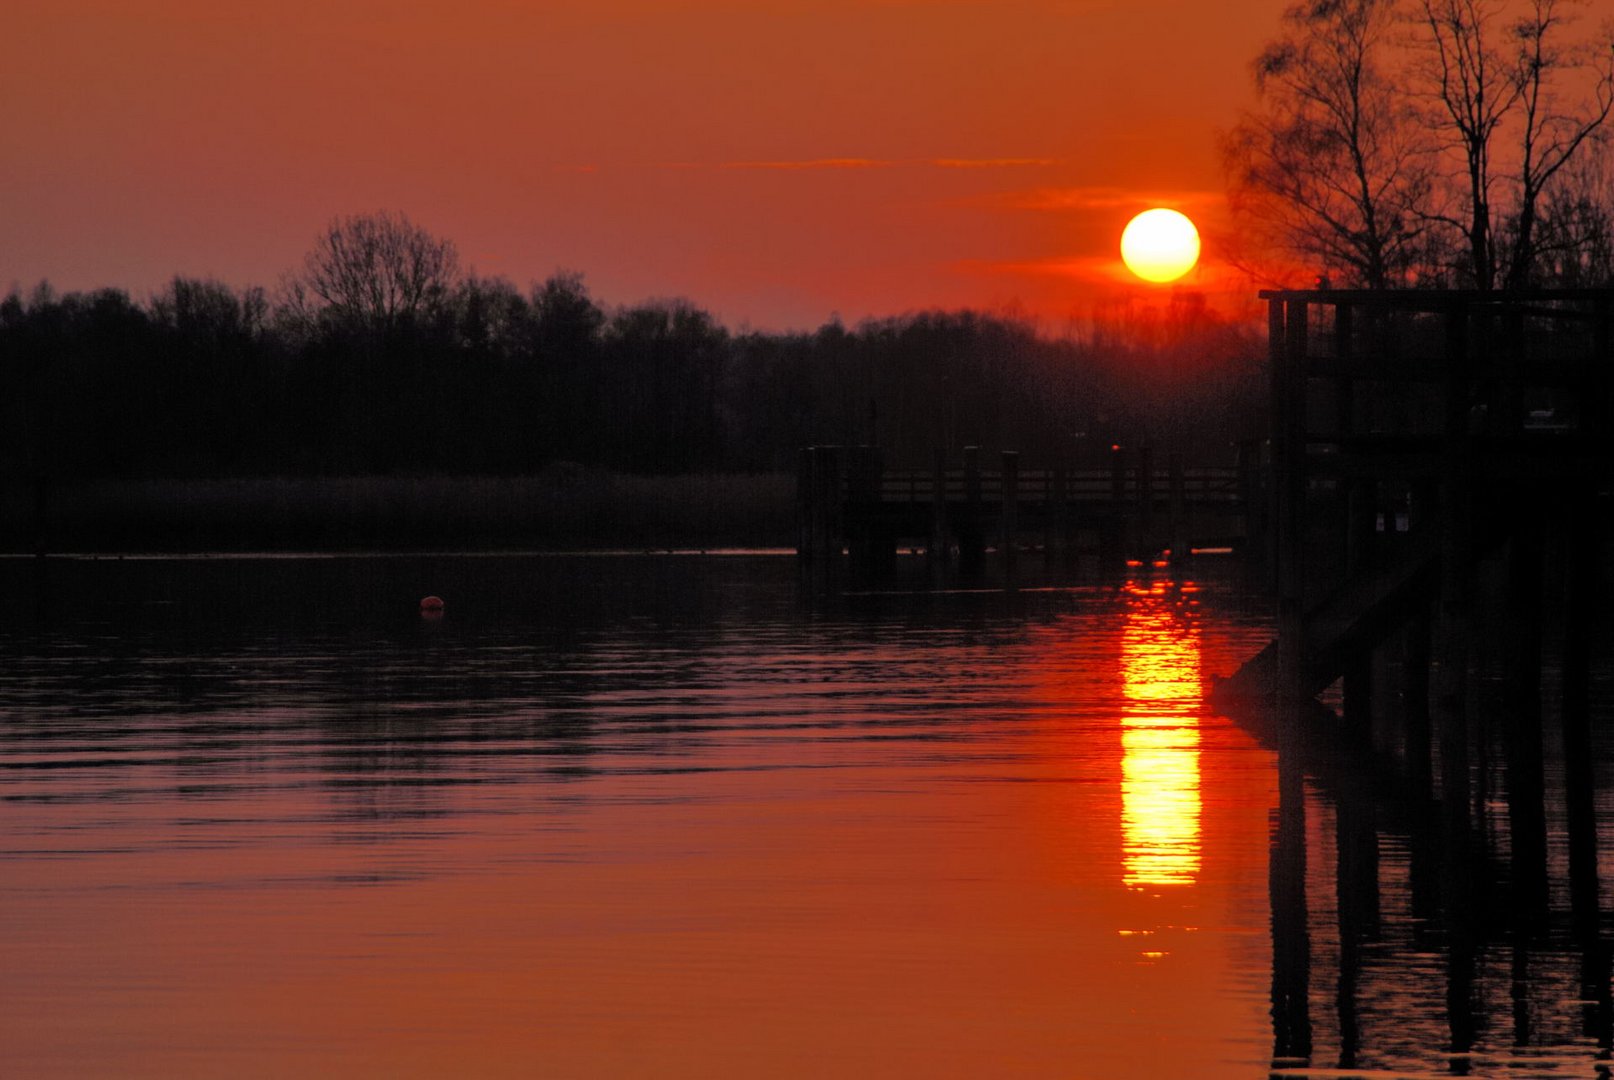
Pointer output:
x,y
379,358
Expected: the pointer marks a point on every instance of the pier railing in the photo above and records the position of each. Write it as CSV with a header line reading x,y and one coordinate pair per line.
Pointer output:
x,y
1199,484
849,502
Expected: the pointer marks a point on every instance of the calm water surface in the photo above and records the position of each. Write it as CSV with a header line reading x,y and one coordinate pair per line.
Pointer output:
x,y
680,817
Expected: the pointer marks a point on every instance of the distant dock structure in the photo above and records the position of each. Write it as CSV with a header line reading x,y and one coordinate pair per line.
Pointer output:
x,y
849,503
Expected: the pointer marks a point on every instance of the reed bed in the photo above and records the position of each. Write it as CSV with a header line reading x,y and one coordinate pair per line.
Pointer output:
x,y
558,510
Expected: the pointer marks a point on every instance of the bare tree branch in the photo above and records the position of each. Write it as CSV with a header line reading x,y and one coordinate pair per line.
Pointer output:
x,y
373,272
1333,168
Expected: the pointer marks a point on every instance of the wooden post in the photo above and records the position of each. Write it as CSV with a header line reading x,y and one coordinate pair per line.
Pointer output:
x,y
1417,758
1580,567
1356,888
971,531
1143,547
1277,348
937,549
1058,544
41,518
859,521
1595,969
1360,528
1456,545
1179,511
1291,938
1291,483
1527,819
1361,525
1600,394
806,505
1247,464
826,497
870,542
1508,408
1113,529
1344,360
1009,523
1423,517
832,491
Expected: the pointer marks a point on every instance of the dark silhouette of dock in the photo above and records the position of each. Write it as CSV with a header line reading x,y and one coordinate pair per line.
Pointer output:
x,y
1135,504
1441,466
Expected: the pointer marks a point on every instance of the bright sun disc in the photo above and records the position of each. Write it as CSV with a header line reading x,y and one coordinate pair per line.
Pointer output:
x,y
1160,245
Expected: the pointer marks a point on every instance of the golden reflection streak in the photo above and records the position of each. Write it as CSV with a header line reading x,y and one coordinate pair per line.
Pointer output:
x,y
1160,791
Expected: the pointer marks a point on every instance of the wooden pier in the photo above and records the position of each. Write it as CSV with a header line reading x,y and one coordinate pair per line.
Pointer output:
x,y
1136,504
1442,464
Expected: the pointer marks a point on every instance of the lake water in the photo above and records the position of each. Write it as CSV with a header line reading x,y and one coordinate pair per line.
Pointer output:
x,y
684,816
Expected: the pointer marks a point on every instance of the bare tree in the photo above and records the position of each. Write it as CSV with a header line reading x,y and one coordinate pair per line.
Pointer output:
x,y
373,272
1552,134
1475,88
1574,232
210,311
1334,167
1493,74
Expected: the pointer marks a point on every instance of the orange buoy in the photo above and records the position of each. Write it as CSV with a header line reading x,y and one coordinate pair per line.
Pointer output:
x,y
432,603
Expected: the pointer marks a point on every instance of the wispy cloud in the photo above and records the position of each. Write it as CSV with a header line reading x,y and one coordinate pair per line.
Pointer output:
x,y
1097,198
1085,267
993,163
866,163
786,166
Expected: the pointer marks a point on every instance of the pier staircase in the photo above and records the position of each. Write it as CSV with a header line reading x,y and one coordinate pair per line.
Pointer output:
x,y
1357,615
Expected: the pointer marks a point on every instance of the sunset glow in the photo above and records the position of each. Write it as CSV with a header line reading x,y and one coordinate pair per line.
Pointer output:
x,y
775,163
1160,245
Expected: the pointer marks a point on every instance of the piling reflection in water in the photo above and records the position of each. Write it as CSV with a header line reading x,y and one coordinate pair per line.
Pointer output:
x,y
1161,702
1393,957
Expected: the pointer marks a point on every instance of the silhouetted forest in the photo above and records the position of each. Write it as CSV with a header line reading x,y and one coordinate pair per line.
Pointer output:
x,y
480,378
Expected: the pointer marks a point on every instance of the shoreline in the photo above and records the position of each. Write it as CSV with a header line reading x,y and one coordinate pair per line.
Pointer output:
x,y
404,553
560,511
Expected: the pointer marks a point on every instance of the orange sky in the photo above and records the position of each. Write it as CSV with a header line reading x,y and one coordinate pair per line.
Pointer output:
x,y
774,162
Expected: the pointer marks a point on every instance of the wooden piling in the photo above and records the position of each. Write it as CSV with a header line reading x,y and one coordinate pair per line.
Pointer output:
x,y
1178,509
1009,521
1277,425
1417,757
1057,545
1344,357
869,541
1452,639
1356,889
1291,938
1579,578
936,550
806,504
1527,821
971,536
1248,465
829,489
1112,538
1289,464
1144,536
1360,532
1417,659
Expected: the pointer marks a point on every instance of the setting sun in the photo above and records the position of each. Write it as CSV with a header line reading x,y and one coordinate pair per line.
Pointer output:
x,y
1160,245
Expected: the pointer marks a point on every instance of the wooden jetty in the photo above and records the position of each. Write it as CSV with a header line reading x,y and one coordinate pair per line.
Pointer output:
x,y
1441,466
1135,504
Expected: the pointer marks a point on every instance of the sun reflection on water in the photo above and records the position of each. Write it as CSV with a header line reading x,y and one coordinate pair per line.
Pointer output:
x,y
1160,789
